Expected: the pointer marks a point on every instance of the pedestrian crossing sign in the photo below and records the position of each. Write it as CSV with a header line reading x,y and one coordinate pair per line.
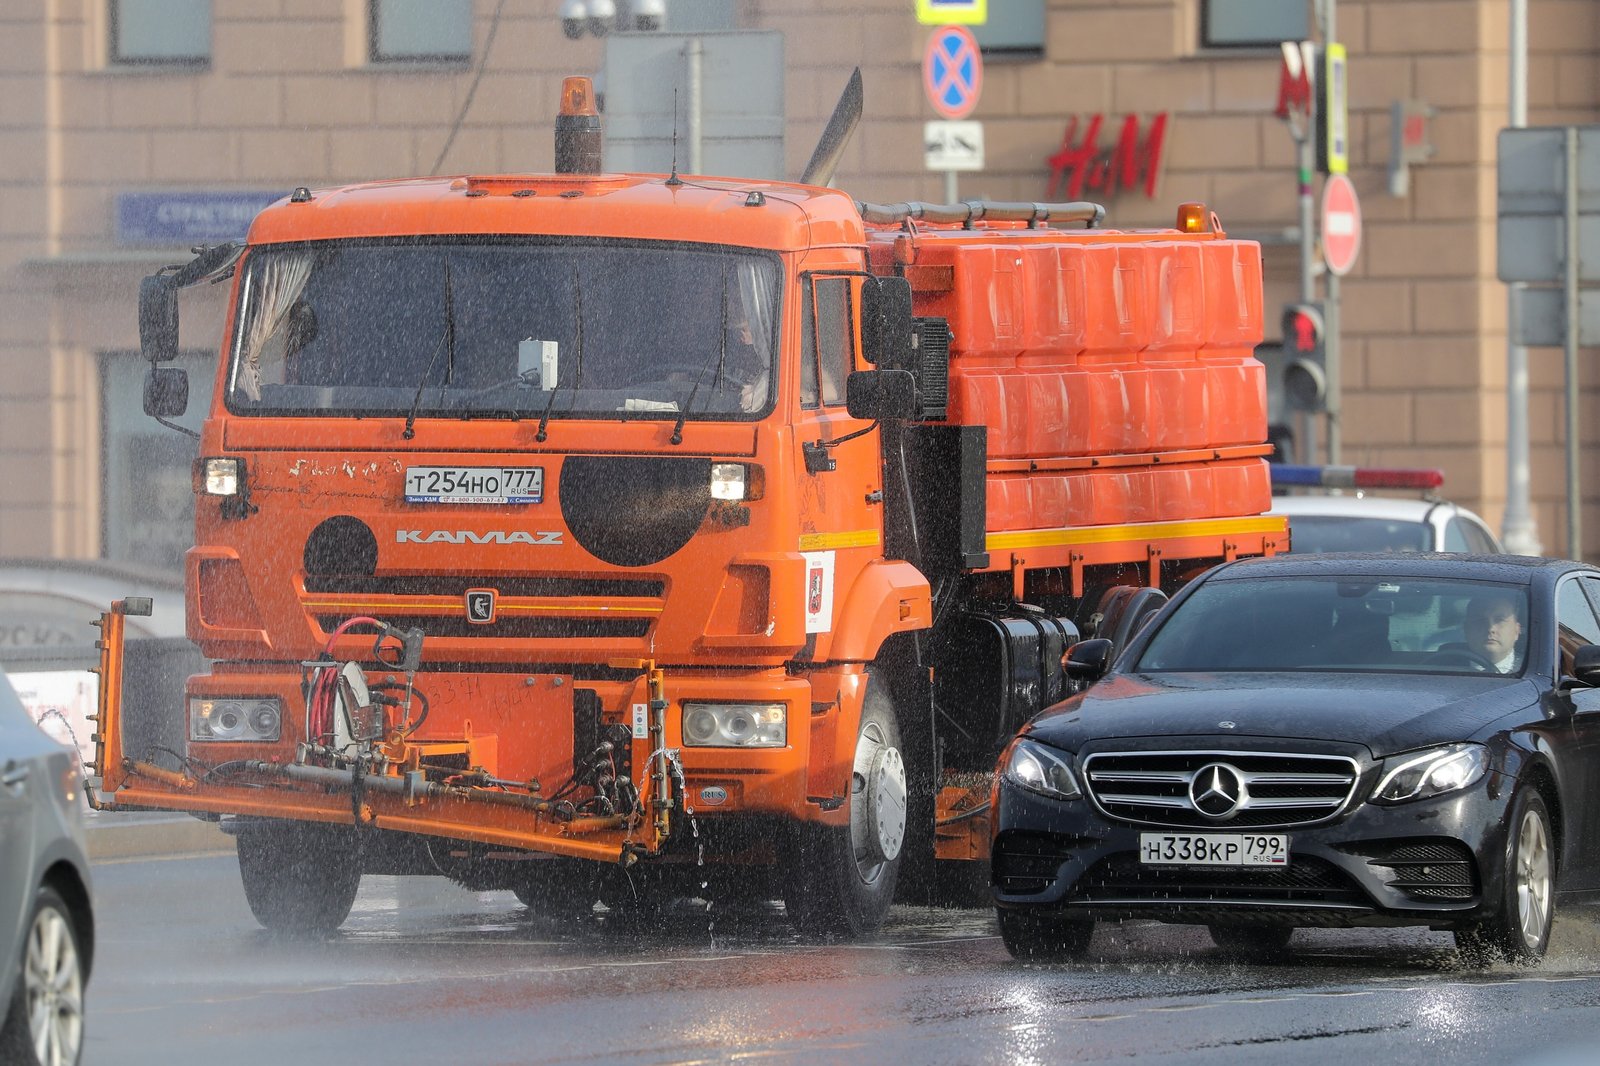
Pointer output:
x,y
952,12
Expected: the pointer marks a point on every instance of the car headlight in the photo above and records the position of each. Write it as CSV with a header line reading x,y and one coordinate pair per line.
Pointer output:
x,y
249,719
1040,769
1421,774
735,725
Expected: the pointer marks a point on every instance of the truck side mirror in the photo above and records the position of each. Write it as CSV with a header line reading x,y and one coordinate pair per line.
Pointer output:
x,y
166,392
886,322
879,394
1089,660
158,318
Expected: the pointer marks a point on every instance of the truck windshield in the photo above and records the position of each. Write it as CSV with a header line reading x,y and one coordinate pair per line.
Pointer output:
x,y
513,329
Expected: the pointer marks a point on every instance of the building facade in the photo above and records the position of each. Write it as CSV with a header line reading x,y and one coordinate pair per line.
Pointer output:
x,y
132,129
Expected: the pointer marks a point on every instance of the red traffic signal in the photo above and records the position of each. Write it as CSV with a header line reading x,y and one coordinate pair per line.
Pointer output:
x,y
1305,381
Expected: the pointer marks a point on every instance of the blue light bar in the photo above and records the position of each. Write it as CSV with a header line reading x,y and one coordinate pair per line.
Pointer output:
x,y
1355,477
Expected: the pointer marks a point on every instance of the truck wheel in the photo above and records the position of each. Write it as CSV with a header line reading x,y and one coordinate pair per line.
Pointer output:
x,y
841,879
558,889
44,1024
1519,930
300,878
1041,936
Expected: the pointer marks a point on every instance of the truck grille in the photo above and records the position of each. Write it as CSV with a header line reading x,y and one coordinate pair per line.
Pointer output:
x,y
526,608
1266,788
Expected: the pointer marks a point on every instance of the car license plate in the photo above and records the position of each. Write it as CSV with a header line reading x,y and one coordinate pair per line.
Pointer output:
x,y
1214,849
474,484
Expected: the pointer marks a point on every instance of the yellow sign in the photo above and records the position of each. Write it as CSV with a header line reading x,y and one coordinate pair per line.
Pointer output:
x,y
952,12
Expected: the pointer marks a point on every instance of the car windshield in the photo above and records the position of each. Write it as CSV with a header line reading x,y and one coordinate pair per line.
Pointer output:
x,y
505,328
1365,624
1340,533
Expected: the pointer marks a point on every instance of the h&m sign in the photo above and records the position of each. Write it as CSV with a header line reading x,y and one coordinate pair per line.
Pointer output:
x,y
1084,165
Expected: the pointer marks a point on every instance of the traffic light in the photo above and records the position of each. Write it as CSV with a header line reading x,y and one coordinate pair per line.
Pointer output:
x,y
1305,381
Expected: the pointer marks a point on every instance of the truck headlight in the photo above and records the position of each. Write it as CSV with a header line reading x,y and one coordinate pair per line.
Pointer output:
x,y
735,725
728,481
1421,774
1039,769
248,719
222,476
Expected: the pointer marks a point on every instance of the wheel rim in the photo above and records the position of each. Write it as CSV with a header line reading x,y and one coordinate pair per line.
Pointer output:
x,y
53,986
1533,879
877,803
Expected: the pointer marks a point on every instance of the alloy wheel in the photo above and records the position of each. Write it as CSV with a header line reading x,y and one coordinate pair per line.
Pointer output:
x,y
53,989
1533,879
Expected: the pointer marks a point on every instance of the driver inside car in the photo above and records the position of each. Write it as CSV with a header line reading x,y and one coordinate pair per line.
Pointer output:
x,y
1492,630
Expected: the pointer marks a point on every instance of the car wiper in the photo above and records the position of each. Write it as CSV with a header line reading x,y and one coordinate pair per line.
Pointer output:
x,y
722,359
446,343
577,369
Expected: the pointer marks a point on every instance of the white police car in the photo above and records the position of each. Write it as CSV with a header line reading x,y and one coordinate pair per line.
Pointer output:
x,y
1357,522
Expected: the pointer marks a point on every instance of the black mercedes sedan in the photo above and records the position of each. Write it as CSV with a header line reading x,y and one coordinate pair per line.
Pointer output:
x,y
1320,740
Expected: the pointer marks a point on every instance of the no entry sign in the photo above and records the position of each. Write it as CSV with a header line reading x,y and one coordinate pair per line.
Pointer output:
x,y
1341,224
952,71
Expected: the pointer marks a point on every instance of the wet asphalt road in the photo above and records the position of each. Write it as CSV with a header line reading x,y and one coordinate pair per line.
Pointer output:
x,y
426,972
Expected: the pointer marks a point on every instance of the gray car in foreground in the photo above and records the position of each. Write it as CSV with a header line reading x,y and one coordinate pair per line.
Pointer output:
x,y
46,924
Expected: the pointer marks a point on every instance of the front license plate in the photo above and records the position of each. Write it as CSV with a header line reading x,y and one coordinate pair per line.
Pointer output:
x,y
474,484
1214,849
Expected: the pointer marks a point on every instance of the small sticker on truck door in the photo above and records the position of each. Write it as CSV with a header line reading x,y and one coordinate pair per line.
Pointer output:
x,y
819,591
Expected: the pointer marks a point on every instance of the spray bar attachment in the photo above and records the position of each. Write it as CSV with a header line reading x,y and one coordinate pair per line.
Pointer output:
x,y
970,211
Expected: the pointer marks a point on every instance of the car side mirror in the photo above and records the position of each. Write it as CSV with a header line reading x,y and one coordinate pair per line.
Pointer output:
x,y
886,322
158,318
1586,665
1089,660
878,394
166,392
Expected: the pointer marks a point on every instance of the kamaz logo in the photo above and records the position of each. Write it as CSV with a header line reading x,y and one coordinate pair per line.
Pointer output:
x,y
469,536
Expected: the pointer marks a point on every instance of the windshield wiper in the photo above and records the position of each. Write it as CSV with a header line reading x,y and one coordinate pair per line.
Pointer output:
x,y
577,369
722,358
446,343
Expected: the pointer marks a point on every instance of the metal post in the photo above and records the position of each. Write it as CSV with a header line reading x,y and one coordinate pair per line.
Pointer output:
x,y
1519,530
1307,162
694,51
1330,310
950,190
1570,349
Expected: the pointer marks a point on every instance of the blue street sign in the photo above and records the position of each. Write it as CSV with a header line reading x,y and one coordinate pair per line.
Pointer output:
x,y
952,71
188,217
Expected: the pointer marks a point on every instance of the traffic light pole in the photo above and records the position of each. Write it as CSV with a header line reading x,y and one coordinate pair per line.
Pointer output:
x,y
1330,308
1307,154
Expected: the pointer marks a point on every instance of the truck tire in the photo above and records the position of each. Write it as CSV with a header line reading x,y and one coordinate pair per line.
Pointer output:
x,y
841,879
560,890
300,878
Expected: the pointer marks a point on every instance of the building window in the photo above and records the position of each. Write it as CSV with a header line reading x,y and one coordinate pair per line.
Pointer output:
x,y
438,31
146,469
160,31
1014,28
1253,23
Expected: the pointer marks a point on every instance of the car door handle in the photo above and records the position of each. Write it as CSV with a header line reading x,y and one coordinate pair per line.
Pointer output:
x,y
14,774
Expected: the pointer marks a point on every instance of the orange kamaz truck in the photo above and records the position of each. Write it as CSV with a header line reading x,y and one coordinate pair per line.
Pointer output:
x,y
613,538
